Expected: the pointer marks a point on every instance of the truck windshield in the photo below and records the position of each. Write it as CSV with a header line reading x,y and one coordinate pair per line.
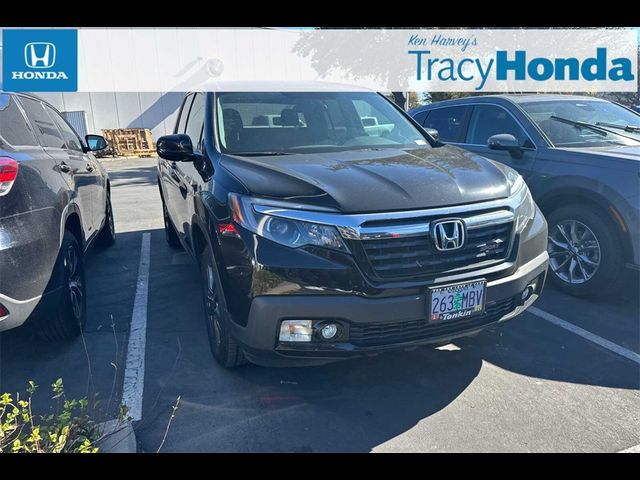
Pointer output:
x,y
303,122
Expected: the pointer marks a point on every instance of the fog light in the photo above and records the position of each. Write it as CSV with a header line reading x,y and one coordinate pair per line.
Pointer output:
x,y
329,331
527,292
296,331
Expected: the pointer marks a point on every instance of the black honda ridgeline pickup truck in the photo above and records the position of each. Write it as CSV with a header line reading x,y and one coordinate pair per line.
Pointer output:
x,y
322,234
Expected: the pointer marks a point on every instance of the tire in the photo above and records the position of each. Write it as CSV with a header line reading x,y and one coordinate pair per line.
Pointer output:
x,y
604,250
71,315
107,236
223,346
169,230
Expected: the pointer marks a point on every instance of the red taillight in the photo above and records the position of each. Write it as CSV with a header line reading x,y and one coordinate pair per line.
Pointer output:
x,y
8,174
228,230
3,311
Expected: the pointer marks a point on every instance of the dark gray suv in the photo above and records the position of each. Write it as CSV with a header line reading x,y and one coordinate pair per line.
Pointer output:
x,y
579,156
54,202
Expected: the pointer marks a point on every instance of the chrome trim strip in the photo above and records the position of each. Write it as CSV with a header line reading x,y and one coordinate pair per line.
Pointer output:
x,y
391,231
353,226
491,218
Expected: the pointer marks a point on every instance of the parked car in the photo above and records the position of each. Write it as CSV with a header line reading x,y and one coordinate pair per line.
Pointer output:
x,y
266,121
374,128
54,203
579,156
322,243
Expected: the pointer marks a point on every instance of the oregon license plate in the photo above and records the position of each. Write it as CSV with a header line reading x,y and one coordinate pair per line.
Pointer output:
x,y
461,300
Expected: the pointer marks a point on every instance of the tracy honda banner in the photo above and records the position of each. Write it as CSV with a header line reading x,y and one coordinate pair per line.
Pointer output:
x,y
462,60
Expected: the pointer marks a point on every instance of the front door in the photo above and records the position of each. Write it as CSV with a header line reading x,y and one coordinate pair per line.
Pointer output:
x,y
488,120
172,177
190,177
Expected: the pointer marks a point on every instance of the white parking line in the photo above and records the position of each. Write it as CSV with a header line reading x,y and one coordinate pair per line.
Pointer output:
x,y
133,387
604,343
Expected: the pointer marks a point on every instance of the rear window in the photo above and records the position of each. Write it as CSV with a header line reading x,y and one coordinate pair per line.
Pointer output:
x,y
14,129
46,130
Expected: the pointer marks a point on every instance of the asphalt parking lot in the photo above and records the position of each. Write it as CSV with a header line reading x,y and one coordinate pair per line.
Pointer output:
x,y
563,378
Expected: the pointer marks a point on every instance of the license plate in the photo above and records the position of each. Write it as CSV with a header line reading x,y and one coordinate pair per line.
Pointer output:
x,y
453,302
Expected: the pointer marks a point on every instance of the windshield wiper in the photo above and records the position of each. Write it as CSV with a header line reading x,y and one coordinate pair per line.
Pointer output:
x,y
626,128
577,123
260,154
595,128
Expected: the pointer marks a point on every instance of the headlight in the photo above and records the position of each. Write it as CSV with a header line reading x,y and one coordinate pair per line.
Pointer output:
x,y
291,233
524,207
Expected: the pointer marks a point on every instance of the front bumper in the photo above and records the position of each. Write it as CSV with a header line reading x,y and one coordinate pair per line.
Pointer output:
x,y
374,325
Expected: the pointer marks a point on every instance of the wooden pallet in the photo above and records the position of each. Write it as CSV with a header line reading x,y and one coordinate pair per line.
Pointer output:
x,y
130,142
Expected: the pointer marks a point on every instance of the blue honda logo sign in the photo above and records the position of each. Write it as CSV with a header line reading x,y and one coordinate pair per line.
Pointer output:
x,y
40,60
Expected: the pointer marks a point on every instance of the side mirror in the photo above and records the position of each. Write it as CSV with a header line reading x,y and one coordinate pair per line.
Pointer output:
x,y
433,133
177,148
505,142
96,142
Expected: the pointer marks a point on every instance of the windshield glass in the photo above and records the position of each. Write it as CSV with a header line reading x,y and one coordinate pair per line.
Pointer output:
x,y
300,122
592,112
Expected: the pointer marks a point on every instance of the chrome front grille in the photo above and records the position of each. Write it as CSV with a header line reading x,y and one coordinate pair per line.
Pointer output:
x,y
417,255
400,244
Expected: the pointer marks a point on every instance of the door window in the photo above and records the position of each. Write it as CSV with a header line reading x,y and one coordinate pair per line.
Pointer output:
x,y
449,122
196,120
489,120
184,113
420,117
71,140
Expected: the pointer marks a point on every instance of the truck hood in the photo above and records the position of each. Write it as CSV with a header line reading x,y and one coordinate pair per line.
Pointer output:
x,y
373,180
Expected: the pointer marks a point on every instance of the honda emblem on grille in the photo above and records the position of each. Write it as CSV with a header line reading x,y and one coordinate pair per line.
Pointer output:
x,y
448,234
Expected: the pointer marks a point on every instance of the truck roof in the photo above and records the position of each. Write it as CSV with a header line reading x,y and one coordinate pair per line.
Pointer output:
x,y
278,86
